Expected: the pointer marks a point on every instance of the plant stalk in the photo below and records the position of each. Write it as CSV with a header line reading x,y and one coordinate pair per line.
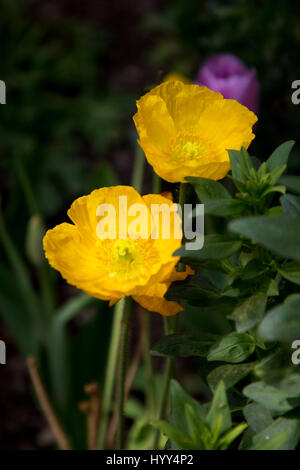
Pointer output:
x,y
138,169
110,372
122,372
166,384
182,199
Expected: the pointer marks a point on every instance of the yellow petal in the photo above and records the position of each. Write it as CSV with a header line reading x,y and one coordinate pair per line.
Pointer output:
x,y
154,301
153,120
227,124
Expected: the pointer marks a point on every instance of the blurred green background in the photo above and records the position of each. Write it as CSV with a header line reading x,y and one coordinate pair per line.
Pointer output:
x,y
73,71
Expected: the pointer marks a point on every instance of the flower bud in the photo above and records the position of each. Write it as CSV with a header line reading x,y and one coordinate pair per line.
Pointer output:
x,y
34,240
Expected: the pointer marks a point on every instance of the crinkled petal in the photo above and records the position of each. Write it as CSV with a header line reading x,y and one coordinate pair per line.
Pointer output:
x,y
154,301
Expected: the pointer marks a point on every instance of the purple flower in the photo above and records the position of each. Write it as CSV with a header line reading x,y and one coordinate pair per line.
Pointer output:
x,y
227,74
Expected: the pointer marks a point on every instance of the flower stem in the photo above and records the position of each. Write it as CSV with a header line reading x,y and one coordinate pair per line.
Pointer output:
x,y
150,399
122,371
138,169
182,199
110,372
166,384
156,184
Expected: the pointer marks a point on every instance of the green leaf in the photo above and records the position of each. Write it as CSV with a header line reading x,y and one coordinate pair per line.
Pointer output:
x,y
229,374
275,210
208,190
279,234
234,348
282,323
219,407
270,287
257,416
183,345
275,367
179,398
16,319
196,427
62,359
182,440
290,271
290,205
224,207
248,313
241,164
280,155
216,431
71,308
231,435
276,174
273,443
253,269
274,189
282,434
290,384
291,182
215,247
234,156
22,280
271,397
246,440
141,435
193,293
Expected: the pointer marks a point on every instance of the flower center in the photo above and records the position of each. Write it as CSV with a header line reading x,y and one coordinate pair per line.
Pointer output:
x,y
187,146
126,260
124,251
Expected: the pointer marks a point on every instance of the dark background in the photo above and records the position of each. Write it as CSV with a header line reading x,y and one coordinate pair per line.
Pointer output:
x,y
73,71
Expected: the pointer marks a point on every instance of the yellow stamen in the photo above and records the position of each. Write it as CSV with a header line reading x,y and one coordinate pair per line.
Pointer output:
x,y
187,146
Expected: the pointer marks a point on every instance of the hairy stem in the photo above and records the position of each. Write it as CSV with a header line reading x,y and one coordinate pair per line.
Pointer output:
x,y
122,371
182,199
138,169
156,184
166,383
110,372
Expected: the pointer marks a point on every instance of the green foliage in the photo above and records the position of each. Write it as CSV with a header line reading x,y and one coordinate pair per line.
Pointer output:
x,y
177,345
283,434
241,308
249,273
280,234
282,323
235,347
229,374
249,312
194,428
280,156
215,247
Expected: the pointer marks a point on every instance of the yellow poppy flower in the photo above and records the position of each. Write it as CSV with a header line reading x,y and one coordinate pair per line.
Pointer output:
x,y
186,130
111,268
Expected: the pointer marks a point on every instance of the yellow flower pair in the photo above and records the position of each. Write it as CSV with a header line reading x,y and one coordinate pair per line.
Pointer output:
x,y
184,130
